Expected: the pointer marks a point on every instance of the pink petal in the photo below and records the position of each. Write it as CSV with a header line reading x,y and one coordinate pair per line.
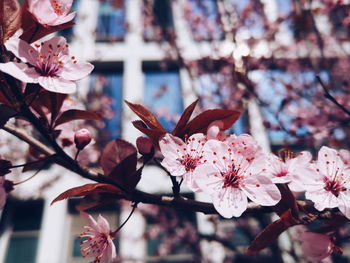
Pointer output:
x,y
328,161
62,19
22,50
217,153
230,202
172,147
261,190
58,85
54,44
316,246
109,254
344,203
42,11
191,183
195,142
208,178
322,198
76,71
174,167
20,71
103,225
89,219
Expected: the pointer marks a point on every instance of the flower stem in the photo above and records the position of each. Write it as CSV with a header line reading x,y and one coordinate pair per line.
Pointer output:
x,y
113,234
25,180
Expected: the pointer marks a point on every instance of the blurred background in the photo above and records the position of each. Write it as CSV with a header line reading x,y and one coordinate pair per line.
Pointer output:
x,y
258,56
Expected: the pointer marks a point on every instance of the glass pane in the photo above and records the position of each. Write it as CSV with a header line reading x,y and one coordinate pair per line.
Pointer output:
x,y
163,96
111,21
27,215
204,20
22,249
106,92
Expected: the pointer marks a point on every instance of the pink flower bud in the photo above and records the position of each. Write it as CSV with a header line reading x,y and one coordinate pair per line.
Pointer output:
x,y
144,145
82,138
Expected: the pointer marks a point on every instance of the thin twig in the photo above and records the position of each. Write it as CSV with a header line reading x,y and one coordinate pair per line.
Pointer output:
x,y
328,96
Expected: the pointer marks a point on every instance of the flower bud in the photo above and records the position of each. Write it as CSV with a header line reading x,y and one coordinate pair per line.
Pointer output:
x,y
144,145
82,138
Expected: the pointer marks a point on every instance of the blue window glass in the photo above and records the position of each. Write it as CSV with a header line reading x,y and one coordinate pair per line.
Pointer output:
x,y
106,95
215,91
68,33
162,94
273,87
204,20
111,21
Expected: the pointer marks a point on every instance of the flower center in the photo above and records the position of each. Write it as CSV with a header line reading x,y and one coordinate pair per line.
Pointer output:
x,y
282,173
333,186
232,179
49,61
190,163
57,7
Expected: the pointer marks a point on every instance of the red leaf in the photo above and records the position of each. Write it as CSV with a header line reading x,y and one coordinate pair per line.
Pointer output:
x,y
87,189
10,18
146,116
270,234
118,161
201,122
71,115
6,114
155,135
116,152
186,115
95,200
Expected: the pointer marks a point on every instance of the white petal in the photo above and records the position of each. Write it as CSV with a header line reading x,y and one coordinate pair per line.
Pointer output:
x,y
58,85
230,202
208,178
20,71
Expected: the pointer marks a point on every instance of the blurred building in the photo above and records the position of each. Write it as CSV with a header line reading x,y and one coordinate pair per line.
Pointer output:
x,y
129,55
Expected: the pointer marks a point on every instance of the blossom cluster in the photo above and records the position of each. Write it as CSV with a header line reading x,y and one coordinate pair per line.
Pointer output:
x,y
233,168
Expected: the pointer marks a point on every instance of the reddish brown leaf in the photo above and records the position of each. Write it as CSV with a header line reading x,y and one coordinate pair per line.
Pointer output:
x,y
71,115
115,153
95,200
201,122
6,114
155,135
186,115
38,165
10,18
270,234
145,115
287,202
87,189
118,161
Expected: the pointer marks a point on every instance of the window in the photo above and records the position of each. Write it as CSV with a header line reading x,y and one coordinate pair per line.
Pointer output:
x,y
204,20
163,96
111,24
23,219
339,16
110,212
68,33
157,20
105,97
170,235
284,116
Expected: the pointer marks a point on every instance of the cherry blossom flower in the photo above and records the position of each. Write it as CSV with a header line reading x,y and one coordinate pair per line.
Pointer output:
x,y
331,187
51,12
230,178
99,243
180,158
47,63
295,171
316,246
